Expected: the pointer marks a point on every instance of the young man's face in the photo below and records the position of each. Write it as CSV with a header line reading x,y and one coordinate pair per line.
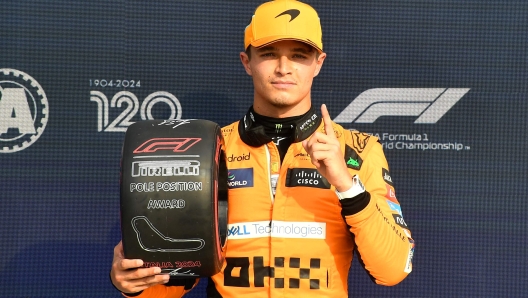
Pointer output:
x,y
282,75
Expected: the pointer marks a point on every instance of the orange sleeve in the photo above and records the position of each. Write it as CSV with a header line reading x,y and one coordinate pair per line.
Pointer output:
x,y
382,237
164,291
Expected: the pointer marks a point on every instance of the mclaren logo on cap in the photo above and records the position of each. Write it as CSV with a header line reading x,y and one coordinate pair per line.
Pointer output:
x,y
292,12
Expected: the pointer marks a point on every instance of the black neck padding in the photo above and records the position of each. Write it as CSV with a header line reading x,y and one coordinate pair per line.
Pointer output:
x,y
256,130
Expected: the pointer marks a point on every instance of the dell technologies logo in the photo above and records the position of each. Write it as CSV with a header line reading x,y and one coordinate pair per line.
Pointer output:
x,y
429,104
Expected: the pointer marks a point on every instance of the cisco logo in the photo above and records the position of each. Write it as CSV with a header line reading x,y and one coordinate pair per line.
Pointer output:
x,y
24,110
306,177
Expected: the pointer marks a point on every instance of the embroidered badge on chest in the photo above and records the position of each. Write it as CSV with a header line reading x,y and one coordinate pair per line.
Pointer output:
x,y
352,159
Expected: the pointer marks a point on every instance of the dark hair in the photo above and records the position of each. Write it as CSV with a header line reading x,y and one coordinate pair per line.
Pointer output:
x,y
248,51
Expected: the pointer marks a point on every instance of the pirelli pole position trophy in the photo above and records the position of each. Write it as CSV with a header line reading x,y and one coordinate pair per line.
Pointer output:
x,y
170,196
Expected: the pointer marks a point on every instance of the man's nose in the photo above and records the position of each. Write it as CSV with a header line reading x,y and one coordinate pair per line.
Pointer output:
x,y
284,65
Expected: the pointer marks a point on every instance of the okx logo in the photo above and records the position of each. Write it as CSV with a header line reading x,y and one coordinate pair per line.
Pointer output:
x,y
429,104
283,272
23,110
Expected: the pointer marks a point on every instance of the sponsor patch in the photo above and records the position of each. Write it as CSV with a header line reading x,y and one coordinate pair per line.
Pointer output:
x,y
386,176
240,178
306,177
395,207
399,221
277,229
308,123
241,157
227,132
352,159
302,156
391,195
280,273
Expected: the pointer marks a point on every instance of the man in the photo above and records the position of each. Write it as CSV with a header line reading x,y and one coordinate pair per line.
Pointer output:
x,y
319,191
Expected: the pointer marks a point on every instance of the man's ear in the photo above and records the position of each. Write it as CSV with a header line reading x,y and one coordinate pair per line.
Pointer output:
x,y
245,61
319,63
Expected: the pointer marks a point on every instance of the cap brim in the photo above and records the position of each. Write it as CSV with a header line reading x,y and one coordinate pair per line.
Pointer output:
x,y
271,39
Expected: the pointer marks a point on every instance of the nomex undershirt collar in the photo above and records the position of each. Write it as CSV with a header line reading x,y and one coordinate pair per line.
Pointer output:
x,y
253,133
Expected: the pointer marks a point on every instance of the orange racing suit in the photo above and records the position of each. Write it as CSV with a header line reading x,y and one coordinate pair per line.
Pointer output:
x,y
288,233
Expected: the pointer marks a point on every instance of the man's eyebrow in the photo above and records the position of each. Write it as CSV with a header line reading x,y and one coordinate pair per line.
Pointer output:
x,y
303,50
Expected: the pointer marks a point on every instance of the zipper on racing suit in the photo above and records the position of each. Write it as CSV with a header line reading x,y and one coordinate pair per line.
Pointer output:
x,y
274,165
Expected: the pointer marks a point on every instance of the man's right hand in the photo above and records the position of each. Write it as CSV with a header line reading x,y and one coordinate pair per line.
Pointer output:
x,y
128,277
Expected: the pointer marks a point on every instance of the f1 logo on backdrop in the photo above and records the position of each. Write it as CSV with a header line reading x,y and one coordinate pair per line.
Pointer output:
x,y
131,104
23,110
430,104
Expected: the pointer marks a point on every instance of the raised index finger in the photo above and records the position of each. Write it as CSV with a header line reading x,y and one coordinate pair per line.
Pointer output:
x,y
329,130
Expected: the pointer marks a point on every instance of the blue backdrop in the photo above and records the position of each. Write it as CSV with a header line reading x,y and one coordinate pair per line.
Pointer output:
x,y
442,83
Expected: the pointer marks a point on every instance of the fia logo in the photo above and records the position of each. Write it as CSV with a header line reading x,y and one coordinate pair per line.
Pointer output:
x,y
430,104
24,110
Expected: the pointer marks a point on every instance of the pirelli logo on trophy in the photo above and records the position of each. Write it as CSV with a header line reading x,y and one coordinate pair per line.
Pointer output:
x,y
165,168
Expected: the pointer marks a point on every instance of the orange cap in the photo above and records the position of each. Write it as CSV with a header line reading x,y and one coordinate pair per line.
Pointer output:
x,y
284,20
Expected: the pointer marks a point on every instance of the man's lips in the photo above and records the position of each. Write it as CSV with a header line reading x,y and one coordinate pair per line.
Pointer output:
x,y
283,84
